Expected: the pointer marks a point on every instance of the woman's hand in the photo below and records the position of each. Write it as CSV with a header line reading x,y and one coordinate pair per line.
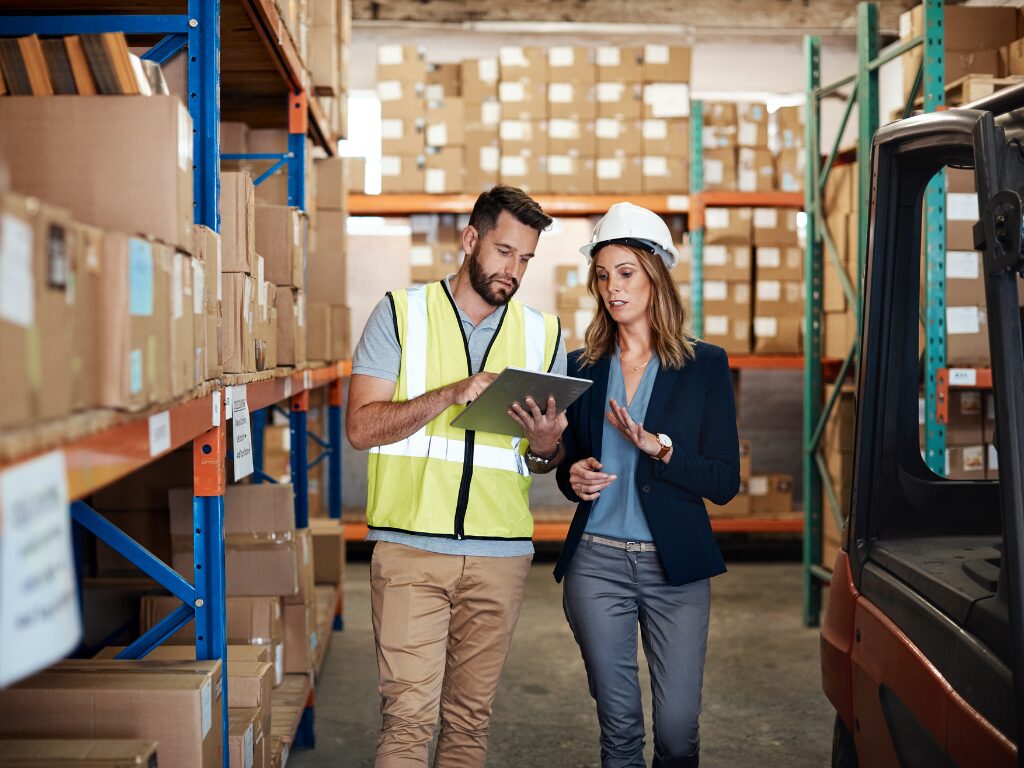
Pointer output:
x,y
635,433
587,479
542,430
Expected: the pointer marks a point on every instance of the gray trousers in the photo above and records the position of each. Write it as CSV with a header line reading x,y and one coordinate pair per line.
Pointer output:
x,y
607,594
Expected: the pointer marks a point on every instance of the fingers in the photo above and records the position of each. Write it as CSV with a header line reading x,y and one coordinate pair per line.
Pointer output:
x,y
523,416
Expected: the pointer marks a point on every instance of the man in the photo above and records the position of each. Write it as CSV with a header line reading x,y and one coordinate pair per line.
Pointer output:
x,y
449,508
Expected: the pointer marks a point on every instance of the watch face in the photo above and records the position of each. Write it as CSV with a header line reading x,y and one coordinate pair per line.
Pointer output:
x,y
665,440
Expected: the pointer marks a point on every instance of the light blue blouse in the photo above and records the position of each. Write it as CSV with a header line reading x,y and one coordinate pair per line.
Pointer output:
x,y
617,513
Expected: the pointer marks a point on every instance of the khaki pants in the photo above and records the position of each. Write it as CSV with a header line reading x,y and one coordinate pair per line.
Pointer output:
x,y
443,625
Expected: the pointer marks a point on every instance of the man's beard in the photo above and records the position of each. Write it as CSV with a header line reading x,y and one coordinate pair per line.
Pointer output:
x,y
484,284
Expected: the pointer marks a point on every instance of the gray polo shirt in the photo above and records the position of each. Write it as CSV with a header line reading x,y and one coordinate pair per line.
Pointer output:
x,y
379,354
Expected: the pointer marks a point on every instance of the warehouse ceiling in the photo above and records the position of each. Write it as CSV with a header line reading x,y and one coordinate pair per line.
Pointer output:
x,y
746,16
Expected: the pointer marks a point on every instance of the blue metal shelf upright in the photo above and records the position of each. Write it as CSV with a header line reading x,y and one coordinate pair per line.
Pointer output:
x,y
861,91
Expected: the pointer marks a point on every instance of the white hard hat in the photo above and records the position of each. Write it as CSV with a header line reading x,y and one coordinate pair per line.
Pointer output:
x,y
628,224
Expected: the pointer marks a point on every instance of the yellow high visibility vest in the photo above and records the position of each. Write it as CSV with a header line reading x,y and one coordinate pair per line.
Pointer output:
x,y
442,480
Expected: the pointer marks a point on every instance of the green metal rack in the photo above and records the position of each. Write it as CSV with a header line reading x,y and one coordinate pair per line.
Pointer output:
x,y
697,233
862,91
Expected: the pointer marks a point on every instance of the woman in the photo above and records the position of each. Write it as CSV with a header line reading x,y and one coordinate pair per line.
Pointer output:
x,y
653,437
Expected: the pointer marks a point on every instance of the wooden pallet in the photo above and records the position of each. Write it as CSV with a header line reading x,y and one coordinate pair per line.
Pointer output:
x,y
287,703
970,88
326,598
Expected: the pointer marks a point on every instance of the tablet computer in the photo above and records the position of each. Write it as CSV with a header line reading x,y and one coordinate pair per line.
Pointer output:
x,y
489,412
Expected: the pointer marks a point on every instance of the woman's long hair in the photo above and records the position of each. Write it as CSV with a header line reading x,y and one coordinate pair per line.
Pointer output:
x,y
673,344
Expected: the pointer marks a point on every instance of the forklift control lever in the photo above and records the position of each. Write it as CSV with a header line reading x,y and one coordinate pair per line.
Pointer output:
x,y
1000,225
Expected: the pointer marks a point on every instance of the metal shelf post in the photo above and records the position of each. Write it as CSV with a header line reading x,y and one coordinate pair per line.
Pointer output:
x,y
204,108
697,232
334,486
298,126
300,457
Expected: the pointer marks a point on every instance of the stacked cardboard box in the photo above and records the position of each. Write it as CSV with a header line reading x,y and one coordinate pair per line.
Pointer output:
x,y
573,304
779,286
330,35
522,96
966,316
839,324
738,155
436,246
478,79
728,234
837,445
739,505
571,111
791,156
85,753
401,87
618,128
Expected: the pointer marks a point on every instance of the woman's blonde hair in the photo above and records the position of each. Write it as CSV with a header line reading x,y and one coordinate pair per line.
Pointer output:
x,y
673,344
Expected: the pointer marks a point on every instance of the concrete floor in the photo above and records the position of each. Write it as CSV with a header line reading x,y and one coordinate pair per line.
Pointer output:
x,y
763,704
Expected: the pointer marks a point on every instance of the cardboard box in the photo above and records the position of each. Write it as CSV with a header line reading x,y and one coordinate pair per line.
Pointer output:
x,y
666,63
966,462
571,137
570,175
237,320
265,333
839,330
402,174
326,264
279,240
444,81
401,99
120,162
667,138
778,335
300,637
291,335
175,704
737,507
403,135
341,332
527,137
756,170
357,176
770,495
778,298
718,137
965,283
961,215
479,80
237,222
571,65
965,423
84,753
522,99
328,550
728,226
478,116
517,62
840,192
1011,58
776,262
775,226
745,460
186,358
720,173
732,334
20,387
620,100
572,100
333,175
444,170
618,138
752,124
318,331
401,62
445,122
790,130
727,262
619,175
720,114
727,298
207,251
247,741
665,175
666,100
324,60
619,64
967,342
790,170
524,171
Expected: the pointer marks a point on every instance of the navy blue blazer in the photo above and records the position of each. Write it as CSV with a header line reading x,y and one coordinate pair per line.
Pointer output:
x,y
694,406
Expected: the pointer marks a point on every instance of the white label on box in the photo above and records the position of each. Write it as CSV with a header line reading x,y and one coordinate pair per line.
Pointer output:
x,y
758,485
609,168
140,278
606,128
437,134
741,293
769,258
215,411
246,297
769,290
747,181
560,165
260,264
184,139
561,56
610,92
421,256
390,55
435,92
655,130
716,325
560,93
389,90
227,404
490,159
198,287
608,56
513,165
512,56
766,327
963,377
714,171
677,203
973,458
715,218
300,310
961,206
17,286
716,290
435,181
159,433
247,747
390,165
716,255
177,286
206,706
766,218
747,134
39,617
490,113
656,54
655,166
241,433
563,129
963,320
668,99
963,265
392,130
513,92
135,371
514,130
487,70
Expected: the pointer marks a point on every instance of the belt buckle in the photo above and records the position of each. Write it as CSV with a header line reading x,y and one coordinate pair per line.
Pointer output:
x,y
634,546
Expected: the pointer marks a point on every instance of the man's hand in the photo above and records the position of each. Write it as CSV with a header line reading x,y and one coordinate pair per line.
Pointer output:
x,y
587,479
542,430
467,390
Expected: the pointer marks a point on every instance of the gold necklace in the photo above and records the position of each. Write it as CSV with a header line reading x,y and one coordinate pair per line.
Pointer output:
x,y
634,367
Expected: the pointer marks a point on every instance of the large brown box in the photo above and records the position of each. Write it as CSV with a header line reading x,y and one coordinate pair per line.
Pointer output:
x,y
778,298
444,170
279,240
238,310
332,183
571,65
186,358
790,167
961,211
401,99
618,64
523,99
527,137
570,175
300,637
967,342
770,494
318,331
720,170
54,302
248,744
177,704
444,81
618,138
790,129
778,335
728,226
207,250
839,330
779,262
120,162
737,507
666,175
166,652
775,226
324,59
666,100
291,333
666,63
445,123
402,174
85,249
732,334
720,114
575,101
83,753
479,80
401,62
966,462
403,135
727,298
620,100
479,116
752,125
328,550
965,283
755,170
965,418
525,171
668,138
341,332
238,222
727,262
325,268
571,137
518,62
620,175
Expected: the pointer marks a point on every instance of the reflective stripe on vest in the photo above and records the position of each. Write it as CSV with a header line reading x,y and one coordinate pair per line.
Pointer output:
x,y
423,484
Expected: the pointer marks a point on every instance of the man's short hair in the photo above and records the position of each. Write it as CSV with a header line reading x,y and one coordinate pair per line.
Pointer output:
x,y
505,198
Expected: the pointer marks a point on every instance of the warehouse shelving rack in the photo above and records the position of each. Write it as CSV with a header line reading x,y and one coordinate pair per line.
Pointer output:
x,y
241,65
863,92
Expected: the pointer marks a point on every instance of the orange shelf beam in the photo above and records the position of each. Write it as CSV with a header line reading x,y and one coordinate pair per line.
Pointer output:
x,y
556,205
702,200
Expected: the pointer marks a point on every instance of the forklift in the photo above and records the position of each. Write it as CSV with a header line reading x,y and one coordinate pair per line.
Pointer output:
x,y
922,643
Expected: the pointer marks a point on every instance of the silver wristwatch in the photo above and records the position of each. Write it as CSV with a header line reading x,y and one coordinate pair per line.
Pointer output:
x,y
540,459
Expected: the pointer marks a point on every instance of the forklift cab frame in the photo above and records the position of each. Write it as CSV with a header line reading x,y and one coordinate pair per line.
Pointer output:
x,y
922,646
